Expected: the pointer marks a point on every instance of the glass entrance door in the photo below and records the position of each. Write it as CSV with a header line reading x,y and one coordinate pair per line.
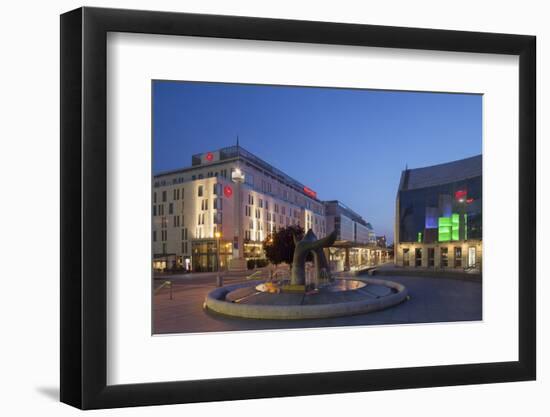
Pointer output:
x,y
471,257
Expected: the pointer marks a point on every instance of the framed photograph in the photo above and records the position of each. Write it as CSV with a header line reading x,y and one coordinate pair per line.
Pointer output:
x,y
257,208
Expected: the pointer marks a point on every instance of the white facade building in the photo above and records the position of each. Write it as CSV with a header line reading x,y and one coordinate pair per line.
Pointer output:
x,y
209,208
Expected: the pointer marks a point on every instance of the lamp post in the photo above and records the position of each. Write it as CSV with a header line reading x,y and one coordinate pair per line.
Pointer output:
x,y
237,177
219,280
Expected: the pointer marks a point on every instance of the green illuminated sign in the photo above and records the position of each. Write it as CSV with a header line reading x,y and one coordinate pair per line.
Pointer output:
x,y
455,225
444,229
465,226
419,238
449,228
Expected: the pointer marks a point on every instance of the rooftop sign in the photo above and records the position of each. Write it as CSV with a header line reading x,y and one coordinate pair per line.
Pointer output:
x,y
308,191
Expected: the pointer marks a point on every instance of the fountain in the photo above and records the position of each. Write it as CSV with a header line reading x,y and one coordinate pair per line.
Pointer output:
x,y
295,297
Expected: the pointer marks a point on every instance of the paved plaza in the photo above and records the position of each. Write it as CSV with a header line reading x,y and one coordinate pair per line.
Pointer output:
x,y
432,299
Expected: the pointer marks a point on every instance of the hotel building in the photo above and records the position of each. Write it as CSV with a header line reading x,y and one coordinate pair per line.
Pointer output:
x,y
227,202
438,222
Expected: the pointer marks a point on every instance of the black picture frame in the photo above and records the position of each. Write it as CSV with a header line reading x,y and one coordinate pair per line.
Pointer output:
x,y
84,207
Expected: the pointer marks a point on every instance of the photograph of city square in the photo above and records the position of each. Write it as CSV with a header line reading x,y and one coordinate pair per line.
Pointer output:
x,y
288,207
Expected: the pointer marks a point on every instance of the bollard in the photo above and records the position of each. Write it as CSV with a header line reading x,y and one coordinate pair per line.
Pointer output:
x,y
169,285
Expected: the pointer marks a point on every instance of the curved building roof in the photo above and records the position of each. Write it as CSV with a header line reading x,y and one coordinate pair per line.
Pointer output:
x,y
441,174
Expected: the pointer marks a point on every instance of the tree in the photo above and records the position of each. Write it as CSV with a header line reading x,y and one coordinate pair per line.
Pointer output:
x,y
279,246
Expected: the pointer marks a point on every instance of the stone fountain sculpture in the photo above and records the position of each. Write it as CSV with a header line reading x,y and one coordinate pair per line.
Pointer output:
x,y
308,244
342,296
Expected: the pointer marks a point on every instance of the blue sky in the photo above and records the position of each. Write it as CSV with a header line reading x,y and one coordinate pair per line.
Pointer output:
x,y
349,145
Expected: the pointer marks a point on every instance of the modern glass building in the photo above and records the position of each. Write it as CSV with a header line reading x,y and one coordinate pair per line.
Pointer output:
x,y
438,220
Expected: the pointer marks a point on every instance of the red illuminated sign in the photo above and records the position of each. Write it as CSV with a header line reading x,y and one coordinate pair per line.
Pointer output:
x,y
470,200
228,191
460,194
209,156
310,192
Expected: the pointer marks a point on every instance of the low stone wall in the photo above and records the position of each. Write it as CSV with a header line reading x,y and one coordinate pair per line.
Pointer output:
x,y
215,301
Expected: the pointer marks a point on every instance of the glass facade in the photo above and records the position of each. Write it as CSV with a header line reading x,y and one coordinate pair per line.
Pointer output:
x,y
441,213
205,255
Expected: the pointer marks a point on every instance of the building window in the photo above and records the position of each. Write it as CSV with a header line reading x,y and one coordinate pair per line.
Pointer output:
x,y
276,208
247,210
266,205
406,257
418,257
164,196
200,191
257,213
154,210
471,257
250,199
204,204
170,208
458,257
155,197
431,256
218,203
261,203
444,261
154,235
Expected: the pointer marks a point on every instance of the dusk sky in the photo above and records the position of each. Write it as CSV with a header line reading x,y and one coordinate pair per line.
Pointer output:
x,y
347,145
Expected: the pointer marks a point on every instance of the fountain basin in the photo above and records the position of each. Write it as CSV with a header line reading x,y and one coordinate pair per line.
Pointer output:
x,y
356,296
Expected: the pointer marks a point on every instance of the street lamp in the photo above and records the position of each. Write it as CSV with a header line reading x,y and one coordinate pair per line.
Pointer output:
x,y
218,235
238,261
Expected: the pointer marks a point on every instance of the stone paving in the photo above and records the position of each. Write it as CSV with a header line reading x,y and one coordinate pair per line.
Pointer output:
x,y
432,300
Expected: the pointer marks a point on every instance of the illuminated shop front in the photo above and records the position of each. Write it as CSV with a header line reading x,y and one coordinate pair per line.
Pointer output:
x,y
253,250
353,256
439,216
206,252
165,261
